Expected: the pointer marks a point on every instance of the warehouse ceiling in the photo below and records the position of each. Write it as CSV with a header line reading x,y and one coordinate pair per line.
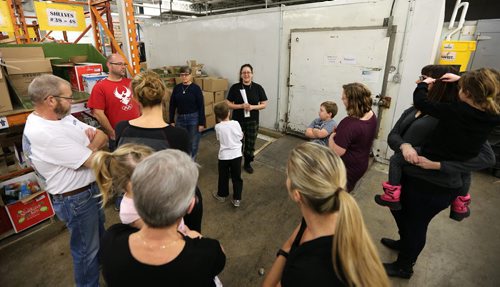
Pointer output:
x,y
177,9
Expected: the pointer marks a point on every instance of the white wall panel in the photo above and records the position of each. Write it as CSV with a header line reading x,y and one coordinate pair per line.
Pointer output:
x,y
223,44
261,37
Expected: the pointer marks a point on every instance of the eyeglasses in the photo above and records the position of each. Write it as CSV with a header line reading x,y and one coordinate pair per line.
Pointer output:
x,y
66,98
118,64
184,74
246,72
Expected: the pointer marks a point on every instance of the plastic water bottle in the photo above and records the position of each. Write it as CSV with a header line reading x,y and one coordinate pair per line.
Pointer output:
x,y
24,191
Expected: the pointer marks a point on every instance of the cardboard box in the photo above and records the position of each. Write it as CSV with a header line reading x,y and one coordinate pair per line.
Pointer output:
x,y
20,83
23,65
219,96
210,121
22,52
209,109
26,213
169,81
5,102
208,97
90,80
23,60
76,74
30,210
198,81
166,105
211,84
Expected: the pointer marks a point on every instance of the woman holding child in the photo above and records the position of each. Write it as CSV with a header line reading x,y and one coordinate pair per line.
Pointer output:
x,y
424,193
353,137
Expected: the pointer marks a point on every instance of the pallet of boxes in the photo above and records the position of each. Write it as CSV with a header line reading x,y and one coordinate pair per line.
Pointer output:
x,y
214,91
168,75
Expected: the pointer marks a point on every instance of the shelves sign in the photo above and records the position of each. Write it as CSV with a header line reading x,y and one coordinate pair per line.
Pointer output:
x,y
60,17
5,21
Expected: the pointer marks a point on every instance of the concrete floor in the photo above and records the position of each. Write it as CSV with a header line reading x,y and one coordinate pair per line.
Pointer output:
x,y
456,254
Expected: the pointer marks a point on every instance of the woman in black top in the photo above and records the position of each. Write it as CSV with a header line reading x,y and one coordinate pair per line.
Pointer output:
x,y
187,100
247,112
427,187
150,129
331,247
157,254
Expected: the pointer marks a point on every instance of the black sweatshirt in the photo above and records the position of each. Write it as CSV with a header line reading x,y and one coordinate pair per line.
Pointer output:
x,y
461,130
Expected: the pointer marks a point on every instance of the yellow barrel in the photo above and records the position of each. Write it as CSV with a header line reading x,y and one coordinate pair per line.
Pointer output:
x,y
456,53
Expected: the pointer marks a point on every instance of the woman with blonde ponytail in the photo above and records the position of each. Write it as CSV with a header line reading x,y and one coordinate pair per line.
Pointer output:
x,y
113,171
331,246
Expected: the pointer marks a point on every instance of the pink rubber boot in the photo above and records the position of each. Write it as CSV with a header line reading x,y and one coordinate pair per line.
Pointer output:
x,y
460,208
391,195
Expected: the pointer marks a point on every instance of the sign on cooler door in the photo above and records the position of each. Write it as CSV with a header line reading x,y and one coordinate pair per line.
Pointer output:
x,y
322,60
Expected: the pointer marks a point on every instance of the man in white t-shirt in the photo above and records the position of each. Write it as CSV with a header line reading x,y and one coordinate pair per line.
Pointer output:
x,y
60,148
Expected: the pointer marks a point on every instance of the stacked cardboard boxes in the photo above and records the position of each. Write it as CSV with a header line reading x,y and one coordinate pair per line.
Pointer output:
x,y
5,102
214,90
23,65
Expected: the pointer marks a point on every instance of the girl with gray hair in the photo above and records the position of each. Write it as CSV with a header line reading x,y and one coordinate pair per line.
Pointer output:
x,y
163,187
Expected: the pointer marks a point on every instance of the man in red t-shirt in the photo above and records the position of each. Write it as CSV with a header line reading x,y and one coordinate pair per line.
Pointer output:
x,y
111,99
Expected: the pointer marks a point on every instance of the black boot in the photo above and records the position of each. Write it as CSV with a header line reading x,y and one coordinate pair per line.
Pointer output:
x,y
396,270
247,167
390,243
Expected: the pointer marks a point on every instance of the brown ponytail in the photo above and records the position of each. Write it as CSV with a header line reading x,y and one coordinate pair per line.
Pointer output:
x,y
483,87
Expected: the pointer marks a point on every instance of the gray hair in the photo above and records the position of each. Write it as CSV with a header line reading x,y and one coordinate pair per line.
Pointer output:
x,y
163,185
45,85
185,69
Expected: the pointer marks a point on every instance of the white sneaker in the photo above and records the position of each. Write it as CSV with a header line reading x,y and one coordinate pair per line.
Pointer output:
x,y
219,198
235,202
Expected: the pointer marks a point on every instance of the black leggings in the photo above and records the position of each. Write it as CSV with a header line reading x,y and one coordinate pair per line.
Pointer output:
x,y
421,201
193,220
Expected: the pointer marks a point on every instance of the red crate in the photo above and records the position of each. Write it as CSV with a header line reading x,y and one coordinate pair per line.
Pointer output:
x,y
76,74
5,224
30,211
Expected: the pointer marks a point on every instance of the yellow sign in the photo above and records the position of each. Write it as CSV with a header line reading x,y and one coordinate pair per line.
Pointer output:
x,y
5,21
31,33
60,17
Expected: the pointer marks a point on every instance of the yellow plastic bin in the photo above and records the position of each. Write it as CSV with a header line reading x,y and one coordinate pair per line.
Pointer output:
x,y
456,53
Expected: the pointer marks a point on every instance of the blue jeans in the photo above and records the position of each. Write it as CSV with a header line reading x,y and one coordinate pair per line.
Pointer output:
x,y
84,217
190,122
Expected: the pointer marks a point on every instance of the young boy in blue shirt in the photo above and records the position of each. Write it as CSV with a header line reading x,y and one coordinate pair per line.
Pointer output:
x,y
321,128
